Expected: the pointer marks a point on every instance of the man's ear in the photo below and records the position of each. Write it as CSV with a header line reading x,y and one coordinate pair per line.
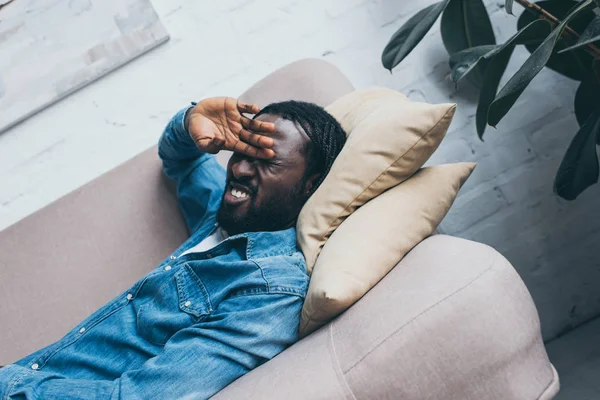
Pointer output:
x,y
310,183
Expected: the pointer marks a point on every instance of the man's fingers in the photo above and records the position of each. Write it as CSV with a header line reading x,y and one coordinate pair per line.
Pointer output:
x,y
251,151
247,108
265,154
257,126
255,139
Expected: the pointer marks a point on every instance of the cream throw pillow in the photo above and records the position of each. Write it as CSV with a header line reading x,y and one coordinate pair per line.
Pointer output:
x,y
390,137
371,241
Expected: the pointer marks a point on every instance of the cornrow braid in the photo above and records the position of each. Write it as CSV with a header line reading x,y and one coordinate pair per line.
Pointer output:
x,y
323,130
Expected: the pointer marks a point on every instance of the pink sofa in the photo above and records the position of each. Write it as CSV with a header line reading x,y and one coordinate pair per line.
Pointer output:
x,y
452,321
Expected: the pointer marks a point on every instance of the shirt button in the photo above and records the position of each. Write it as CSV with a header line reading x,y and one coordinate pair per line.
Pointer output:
x,y
173,257
35,366
168,268
187,303
129,296
82,330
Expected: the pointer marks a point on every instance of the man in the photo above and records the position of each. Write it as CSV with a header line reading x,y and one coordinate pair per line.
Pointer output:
x,y
230,297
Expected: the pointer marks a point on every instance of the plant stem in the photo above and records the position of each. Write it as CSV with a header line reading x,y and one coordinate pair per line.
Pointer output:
x,y
539,11
5,4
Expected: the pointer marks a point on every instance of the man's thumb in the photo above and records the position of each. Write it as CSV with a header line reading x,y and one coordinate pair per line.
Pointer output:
x,y
218,141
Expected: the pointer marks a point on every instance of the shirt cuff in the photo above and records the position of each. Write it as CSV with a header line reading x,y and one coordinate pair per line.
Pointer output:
x,y
10,376
179,121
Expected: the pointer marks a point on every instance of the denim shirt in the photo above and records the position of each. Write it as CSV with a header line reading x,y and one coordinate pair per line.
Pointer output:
x,y
192,325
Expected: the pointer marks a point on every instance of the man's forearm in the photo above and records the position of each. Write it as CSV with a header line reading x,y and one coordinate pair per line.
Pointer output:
x,y
197,175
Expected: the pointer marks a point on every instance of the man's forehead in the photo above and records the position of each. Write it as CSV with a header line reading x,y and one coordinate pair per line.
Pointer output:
x,y
285,130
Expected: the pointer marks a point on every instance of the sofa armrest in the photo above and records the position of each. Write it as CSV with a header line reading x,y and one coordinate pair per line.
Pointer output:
x,y
452,320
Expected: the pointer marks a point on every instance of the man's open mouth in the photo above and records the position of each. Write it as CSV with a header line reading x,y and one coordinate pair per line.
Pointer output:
x,y
237,193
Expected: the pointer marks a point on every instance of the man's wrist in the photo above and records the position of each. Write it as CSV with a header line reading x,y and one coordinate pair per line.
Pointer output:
x,y
186,120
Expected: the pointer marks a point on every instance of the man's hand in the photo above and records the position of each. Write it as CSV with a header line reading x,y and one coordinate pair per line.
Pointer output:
x,y
217,124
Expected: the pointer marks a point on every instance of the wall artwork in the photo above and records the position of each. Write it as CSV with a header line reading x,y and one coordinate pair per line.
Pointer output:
x,y
50,48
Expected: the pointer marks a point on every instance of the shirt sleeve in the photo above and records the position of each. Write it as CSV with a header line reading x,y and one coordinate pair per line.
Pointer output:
x,y
198,176
197,362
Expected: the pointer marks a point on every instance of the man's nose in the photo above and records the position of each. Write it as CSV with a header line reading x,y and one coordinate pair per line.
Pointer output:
x,y
242,168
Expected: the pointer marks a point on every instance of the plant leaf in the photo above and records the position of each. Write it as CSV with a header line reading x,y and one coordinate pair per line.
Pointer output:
x,y
493,73
590,34
579,168
463,62
497,60
508,5
596,69
509,94
410,34
587,99
574,64
466,24
534,32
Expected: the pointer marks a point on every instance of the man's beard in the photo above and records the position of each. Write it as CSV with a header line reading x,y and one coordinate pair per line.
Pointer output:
x,y
276,214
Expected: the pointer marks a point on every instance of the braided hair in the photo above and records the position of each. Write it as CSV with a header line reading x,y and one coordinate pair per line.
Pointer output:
x,y
325,133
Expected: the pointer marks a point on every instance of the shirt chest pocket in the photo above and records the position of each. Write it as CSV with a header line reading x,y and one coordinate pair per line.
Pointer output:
x,y
171,304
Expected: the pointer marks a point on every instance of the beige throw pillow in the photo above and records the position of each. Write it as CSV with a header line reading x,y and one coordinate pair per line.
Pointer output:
x,y
371,241
390,137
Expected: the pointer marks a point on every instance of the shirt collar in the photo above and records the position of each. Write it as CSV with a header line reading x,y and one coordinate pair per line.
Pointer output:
x,y
268,244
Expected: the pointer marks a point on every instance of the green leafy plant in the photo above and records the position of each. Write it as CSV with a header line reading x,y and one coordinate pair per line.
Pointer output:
x,y
560,34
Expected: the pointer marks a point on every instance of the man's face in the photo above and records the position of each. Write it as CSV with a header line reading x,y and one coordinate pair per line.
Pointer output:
x,y
267,195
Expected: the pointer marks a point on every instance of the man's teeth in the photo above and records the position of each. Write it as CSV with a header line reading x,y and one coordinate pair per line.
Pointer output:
x,y
238,194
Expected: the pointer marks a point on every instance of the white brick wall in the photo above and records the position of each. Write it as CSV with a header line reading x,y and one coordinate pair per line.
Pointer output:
x,y
221,47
